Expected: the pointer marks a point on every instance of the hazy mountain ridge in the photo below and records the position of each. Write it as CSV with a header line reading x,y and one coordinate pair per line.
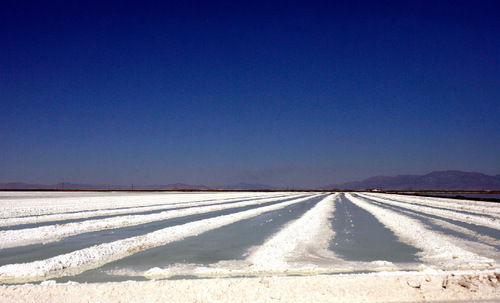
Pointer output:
x,y
438,180
176,186
250,186
75,186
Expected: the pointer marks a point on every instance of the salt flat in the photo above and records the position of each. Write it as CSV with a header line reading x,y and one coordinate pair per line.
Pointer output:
x,y
168,235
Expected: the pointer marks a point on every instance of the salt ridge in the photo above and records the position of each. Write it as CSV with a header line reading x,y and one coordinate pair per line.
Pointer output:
x,y
479,207
438,249
311,230
96,256
69,203
449,214
52,233
166,204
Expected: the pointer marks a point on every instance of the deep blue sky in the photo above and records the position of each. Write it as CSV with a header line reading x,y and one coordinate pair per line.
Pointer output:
x,y
301,94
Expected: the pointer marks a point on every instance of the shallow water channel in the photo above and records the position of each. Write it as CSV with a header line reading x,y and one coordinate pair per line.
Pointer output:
x,y
43,251
228,243
427,219
361,237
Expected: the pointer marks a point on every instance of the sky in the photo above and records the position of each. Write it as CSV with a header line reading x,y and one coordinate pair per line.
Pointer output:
x,y
295,94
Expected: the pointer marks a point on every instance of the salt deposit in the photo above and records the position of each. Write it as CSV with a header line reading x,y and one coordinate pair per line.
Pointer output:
x,y
145,205
470,286
479,207
300,247
311,234
51,233
438,248
65,202
469,218
454,227
299,244
95,256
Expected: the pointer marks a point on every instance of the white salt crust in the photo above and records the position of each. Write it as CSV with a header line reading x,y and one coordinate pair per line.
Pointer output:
x,y
449,214
280,253
310,233
479,207
52,233
167,202
290,251
42,203
96,256
450,286
437,248
490,241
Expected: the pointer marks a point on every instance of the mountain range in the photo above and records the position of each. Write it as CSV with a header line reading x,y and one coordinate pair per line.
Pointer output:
x,y
176,186
78,186
438,180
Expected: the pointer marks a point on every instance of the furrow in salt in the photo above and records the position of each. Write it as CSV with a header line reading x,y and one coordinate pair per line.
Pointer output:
x,y
492,210
111,201
492,232
469,218
311,232
437,248
40,206
459,235
96,256
112,212
482,238
52,233
479,207
450,226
